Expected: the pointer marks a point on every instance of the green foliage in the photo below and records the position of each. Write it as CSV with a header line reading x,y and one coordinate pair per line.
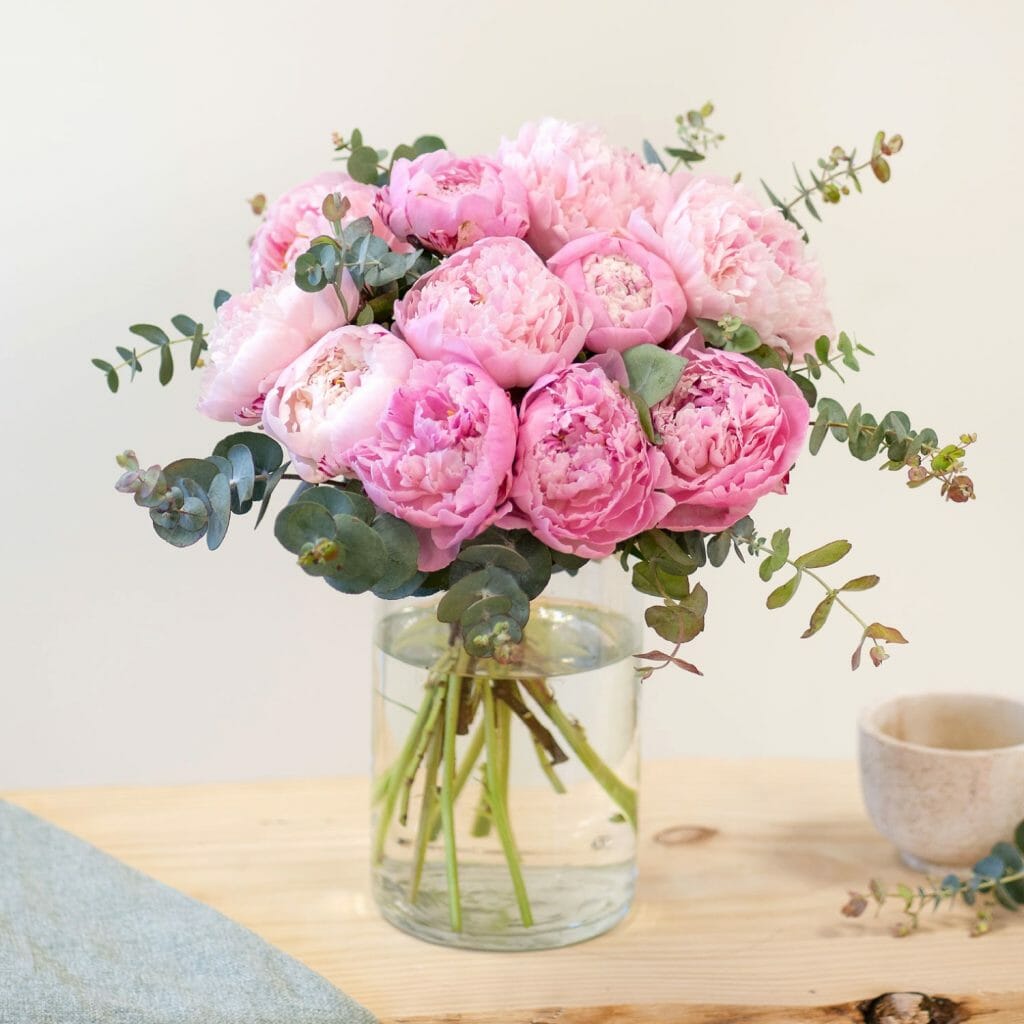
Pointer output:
x,y
653,372
194,498
696,140
917,451
381,275
366,164
489,588
996,879
191,333
834,175
338,536
775,556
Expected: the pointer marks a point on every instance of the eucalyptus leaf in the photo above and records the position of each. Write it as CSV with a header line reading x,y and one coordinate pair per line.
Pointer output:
x,y
653,371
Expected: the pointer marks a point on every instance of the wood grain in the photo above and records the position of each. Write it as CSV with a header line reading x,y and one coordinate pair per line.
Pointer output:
x,y
744,865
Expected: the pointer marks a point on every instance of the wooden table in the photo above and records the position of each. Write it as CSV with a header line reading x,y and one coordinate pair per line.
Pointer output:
x,y
743,868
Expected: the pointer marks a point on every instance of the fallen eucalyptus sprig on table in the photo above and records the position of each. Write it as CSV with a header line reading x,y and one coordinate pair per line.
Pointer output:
x,y
996,880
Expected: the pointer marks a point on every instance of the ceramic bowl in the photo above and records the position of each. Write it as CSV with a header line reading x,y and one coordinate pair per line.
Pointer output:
x,y
943,775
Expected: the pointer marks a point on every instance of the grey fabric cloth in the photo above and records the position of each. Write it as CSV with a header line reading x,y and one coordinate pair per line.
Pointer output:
x,y
84,939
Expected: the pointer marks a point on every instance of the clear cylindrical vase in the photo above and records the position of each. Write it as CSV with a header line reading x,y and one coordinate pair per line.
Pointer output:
x,y
505,795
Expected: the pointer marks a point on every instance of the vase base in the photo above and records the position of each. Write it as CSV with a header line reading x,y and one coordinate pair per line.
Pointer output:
x,y
569,905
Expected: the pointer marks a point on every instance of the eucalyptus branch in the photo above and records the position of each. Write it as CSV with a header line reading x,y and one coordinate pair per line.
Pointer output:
x,y
995,879
905,448
192,333
835,175
696,140
775,556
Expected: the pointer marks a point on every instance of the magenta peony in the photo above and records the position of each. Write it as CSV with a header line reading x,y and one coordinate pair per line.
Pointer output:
x,y
731,432
733,257
441,457
333,395
294,219
497,305
578,182
585,475
632,294
449,202
256,336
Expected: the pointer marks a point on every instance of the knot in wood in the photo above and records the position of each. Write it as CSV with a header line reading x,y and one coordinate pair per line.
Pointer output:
x,y
912,1008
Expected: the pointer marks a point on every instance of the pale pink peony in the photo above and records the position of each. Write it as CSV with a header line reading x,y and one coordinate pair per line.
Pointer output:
x,y
256,336
449,202
578,182
294,219
733,257
585,476
494,304
333,396
441,457
731,432
632,293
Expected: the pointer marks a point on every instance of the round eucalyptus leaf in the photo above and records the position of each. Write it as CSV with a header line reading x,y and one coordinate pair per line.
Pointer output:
x,y
305,522
219,495
201,470
341,503
401,553
495,554
363,555
243,476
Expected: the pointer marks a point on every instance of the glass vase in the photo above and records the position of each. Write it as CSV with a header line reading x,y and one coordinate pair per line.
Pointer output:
x,y
504,795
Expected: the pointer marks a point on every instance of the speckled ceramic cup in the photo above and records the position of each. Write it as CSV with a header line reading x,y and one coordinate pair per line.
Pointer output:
x,y
943,775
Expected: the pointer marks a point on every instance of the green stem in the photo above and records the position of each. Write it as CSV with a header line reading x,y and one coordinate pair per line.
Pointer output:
x,y
472,755
499,811
413,766
451,721
156,348
401,763
623,795
548,768
429,802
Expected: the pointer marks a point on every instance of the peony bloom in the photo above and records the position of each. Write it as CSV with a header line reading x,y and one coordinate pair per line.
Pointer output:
x,y
494,304
441,457
578,182
294,219
448,202
585,476
333,395
256,336
733,257
632,294
731,432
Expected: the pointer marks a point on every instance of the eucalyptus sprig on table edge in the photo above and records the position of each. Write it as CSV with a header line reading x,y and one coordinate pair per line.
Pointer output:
x,y
997,879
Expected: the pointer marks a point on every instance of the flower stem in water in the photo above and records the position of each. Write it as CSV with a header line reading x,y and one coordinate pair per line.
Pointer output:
x,y
496,788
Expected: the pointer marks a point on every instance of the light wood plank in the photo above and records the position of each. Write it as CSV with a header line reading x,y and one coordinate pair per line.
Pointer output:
x,y
741,910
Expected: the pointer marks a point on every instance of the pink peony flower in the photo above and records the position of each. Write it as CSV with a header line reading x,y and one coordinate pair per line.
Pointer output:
x,y
441,457
736,258
578,182
448,202
731,433
333,396
294,219
632,293
494,304
256,336
585,475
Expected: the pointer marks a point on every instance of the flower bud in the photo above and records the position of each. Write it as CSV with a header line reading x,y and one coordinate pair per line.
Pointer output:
x,y
961,489
855,906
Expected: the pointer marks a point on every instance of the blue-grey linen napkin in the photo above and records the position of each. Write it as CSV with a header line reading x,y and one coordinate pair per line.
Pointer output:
x,y
85,939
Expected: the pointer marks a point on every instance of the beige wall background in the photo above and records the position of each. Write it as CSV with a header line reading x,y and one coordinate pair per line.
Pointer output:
x,y
134,131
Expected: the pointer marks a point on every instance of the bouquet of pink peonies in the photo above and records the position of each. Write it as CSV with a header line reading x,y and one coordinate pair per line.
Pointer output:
x,y
482,372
